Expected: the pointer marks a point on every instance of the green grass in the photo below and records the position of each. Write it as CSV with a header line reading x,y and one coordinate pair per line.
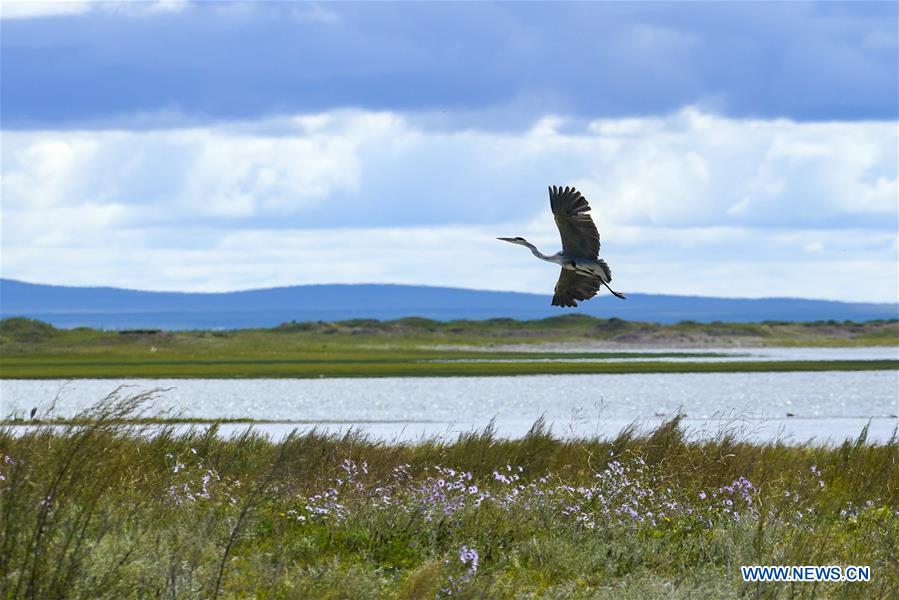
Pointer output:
x,y
108,510
411,347
247,369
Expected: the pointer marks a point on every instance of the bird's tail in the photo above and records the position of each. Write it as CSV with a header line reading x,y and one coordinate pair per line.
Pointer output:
x,y
604,266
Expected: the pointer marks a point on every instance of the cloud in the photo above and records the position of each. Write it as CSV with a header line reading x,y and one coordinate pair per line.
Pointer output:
x,y
32,9
687,203
735,262
316,13
359,169
242,60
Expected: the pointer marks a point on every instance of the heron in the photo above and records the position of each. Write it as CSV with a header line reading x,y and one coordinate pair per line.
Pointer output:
x,y
583,272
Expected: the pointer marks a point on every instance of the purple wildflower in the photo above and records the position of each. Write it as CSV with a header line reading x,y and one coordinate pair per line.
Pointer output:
x,y
469,558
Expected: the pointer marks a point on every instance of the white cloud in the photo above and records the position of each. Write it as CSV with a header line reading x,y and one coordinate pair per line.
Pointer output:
x,y
813,247
316,13
30,9
691,203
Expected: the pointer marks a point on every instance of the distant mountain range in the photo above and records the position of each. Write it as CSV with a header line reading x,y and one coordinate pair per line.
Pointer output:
x,y
114,308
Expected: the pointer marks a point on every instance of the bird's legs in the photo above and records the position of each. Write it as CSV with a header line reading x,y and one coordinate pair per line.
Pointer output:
x,y
618,294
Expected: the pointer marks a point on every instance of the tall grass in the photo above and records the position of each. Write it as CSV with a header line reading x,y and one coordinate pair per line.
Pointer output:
x,y
103,509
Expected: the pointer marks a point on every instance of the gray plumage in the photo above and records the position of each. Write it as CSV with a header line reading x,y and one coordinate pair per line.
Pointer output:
x,y
583,272
577,230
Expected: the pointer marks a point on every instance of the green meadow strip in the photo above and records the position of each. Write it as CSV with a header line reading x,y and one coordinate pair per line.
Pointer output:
x,y
68,368
347,358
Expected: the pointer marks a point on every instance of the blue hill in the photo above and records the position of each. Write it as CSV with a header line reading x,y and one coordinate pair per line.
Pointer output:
x,y
113,308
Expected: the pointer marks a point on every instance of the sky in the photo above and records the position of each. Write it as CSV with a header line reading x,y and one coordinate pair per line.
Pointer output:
x,y
727,149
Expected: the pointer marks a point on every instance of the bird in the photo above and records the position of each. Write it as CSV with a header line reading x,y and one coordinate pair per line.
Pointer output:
x,y
583,272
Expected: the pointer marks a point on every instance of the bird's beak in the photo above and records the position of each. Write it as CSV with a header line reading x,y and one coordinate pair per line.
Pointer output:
x,y
507,239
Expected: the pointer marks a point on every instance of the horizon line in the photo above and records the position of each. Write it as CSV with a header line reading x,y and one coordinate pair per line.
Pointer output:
x,y
435,287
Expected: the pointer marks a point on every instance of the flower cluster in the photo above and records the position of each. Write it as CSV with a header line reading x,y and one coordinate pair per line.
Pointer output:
x,y
818,474
468,557
445,493
327,504
324,506
727,500
629,494
7,461
194,480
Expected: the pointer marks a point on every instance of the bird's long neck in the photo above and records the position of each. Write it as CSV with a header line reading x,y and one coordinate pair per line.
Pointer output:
x,y
536,252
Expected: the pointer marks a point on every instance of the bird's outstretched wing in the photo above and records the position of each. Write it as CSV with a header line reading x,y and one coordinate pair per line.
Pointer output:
x,y
572,286
579,235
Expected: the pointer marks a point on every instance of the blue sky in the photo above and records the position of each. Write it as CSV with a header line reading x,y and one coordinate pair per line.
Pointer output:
x,y
737,149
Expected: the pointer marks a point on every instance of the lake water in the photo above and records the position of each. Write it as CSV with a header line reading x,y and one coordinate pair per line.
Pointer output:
x,y
822,406
727,354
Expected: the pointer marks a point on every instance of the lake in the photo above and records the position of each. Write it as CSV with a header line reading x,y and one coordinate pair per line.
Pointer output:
x,y
724,354
797,407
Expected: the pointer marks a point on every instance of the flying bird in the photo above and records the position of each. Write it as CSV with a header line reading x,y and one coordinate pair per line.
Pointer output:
x,y
582,269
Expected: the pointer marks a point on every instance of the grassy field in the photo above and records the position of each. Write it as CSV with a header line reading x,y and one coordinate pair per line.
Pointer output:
x,y
415,347
107,511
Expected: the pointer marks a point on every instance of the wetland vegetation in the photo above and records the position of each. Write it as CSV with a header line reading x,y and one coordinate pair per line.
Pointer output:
x,y
420,347
102,510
